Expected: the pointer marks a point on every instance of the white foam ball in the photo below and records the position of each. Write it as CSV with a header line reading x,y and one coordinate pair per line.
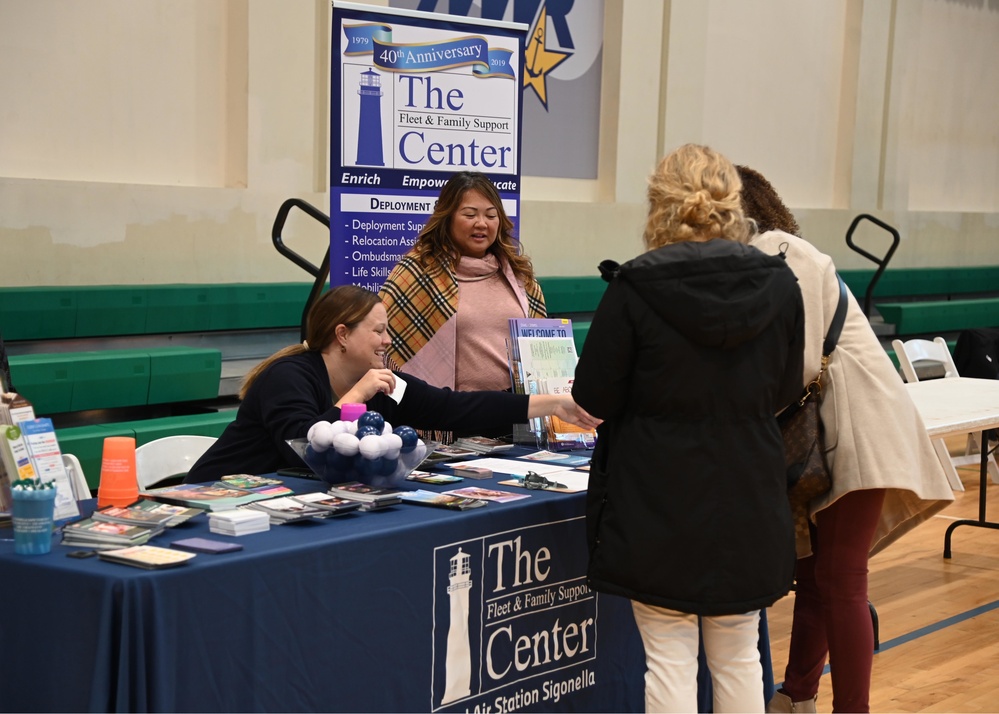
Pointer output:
x,y
321,436
387,429
351,427
371,446
345,444
312,429
339,427
393,445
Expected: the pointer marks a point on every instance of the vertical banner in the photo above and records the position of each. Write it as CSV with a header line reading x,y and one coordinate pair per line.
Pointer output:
x,y
415,98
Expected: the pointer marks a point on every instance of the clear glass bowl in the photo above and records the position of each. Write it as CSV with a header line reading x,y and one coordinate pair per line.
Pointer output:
x,y
336,468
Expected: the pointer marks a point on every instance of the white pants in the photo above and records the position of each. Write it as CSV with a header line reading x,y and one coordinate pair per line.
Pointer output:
x,y
731,646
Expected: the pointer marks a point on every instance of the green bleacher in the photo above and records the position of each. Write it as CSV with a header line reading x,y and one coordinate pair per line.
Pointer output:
x,y
61,381
932,300
79,381
74,311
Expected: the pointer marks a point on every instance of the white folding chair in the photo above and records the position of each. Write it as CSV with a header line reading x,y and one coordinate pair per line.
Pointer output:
x,y
915,354
81,489
170,456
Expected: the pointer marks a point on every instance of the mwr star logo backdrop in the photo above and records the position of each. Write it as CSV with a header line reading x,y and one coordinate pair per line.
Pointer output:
x,y
539,60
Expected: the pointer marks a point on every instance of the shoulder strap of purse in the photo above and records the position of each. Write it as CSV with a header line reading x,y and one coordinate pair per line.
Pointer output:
x,y
832,337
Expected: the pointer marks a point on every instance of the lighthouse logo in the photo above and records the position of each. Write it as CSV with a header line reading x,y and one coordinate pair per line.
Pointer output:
x,y
369,132
514,622
458,661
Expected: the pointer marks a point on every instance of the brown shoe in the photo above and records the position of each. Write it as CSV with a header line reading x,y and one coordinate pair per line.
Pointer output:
x,y
782,704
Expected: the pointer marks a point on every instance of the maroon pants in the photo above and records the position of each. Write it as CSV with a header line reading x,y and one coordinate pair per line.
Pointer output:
x,y
831,613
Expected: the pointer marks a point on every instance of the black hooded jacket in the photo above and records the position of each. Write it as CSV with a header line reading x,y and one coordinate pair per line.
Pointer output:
x,y
693,349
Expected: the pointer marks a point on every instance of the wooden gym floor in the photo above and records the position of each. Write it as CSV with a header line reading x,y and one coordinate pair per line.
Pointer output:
x,y
939,619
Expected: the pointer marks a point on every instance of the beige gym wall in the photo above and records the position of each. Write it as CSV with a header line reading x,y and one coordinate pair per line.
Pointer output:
x,y
152,141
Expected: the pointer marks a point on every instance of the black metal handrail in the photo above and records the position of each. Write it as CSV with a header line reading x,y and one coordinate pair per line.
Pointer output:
x,y
320,272
882,263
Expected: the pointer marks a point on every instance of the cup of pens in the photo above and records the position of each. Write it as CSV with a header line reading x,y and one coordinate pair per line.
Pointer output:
x,y
33,504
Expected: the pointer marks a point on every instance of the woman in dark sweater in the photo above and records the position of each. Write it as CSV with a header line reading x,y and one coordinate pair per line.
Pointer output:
x,y
342,362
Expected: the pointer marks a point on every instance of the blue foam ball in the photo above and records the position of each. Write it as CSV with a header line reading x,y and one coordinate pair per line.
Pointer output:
x,y
371,467
388,466
363,431
371,419
339,462
409,437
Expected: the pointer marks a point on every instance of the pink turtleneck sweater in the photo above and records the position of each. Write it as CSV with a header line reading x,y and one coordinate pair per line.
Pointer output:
x,y
486,301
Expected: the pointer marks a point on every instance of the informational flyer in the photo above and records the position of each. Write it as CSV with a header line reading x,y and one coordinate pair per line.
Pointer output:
x,y
415,98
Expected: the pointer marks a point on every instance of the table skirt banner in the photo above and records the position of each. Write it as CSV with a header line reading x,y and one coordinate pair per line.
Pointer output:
x,y
405,609
410,609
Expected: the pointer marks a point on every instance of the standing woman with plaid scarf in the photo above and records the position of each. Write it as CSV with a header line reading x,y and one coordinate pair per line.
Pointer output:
x,y
449,298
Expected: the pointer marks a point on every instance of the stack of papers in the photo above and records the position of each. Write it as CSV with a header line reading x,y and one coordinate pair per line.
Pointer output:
x,y
371,497
482,444
286,509
146,513
91,533
238,522
271,487
332,505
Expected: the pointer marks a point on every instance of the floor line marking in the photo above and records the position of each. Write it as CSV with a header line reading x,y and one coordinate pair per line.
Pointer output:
x,y
923,631
934,627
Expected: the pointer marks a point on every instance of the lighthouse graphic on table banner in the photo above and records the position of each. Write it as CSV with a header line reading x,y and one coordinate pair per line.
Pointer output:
x,y
458,665
514,621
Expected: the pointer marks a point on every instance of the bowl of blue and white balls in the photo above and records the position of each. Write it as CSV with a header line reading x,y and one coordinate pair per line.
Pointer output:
x,y
368,450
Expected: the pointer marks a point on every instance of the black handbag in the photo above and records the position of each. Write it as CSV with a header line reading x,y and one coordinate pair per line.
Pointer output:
x,y
807,472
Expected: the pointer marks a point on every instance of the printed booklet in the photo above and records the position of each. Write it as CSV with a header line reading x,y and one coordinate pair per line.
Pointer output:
x,y
441,500
287,509
487,494
271,487
210,497
147,513
150,557
427,477
91,533
482,444
369,495
333,505
206,545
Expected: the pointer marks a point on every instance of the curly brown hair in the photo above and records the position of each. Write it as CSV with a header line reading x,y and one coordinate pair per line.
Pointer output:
x,y
434,247
762,203
694,195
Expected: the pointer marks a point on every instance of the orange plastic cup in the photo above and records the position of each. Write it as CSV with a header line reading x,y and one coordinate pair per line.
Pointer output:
x,y
119,485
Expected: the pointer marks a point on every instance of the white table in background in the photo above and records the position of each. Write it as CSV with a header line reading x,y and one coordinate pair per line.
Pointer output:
x,y
955,406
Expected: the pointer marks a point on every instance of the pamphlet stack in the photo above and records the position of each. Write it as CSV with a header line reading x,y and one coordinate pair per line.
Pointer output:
x,y
92,533
371,498
237,522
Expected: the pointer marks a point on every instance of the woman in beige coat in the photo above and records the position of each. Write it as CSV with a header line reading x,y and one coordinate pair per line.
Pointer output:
x,y
886,478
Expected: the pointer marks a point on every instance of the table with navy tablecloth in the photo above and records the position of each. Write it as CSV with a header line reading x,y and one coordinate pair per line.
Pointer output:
x,y
407,609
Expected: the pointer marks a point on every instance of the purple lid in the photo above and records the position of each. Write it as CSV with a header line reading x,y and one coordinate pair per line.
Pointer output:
x,y
350,412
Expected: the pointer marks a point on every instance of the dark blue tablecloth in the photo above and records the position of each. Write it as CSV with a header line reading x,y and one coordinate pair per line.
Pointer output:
x,y
407,609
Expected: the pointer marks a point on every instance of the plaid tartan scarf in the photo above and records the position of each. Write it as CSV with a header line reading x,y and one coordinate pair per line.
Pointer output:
x,y
420,300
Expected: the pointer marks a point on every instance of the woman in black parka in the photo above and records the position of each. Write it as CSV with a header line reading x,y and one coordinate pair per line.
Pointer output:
x,y
695,346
